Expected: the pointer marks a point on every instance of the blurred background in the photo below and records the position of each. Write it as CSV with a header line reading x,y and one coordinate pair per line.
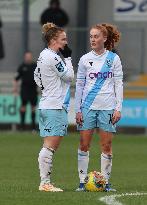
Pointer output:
x,y
20,30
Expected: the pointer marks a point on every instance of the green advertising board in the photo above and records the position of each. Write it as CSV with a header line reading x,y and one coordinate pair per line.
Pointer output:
x,y
9,110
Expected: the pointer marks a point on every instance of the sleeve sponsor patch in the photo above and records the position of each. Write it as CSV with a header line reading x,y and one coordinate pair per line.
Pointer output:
x,y
60,67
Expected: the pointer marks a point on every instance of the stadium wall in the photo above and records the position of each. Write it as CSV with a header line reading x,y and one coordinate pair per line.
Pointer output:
x,y
134,38
133,47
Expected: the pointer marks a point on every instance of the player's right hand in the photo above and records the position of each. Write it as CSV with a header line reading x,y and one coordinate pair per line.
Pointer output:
x,y
66,52
79,118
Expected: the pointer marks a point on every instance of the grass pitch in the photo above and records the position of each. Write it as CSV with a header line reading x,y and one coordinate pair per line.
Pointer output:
x,y
19,174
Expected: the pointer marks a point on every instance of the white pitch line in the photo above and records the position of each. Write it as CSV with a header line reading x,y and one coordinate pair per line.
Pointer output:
x,y
111,200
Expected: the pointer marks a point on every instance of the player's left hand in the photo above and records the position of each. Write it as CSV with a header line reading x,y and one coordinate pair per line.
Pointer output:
x,y
116,117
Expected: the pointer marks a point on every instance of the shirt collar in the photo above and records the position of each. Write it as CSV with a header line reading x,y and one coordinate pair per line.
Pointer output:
x,y
52,50
100,54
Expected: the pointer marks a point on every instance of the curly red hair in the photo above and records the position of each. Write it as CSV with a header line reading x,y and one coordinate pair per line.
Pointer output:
x,y
111,32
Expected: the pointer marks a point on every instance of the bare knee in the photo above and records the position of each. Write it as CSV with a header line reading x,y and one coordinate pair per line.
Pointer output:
x,y
85,140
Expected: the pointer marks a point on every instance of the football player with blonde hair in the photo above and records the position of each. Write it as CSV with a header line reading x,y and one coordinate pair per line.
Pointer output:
x,y
53,76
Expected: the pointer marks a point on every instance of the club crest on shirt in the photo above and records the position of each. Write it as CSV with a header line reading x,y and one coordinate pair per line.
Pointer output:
x,y
109,62
60,67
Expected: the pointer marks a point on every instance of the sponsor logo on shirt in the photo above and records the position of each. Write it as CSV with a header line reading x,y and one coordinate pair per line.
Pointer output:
x,y
103,75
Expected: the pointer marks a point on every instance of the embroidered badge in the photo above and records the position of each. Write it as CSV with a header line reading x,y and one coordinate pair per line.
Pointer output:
x,y
109,63
60,67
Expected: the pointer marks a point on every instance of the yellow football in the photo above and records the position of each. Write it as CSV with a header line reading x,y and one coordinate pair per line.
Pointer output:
x,y
95,181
